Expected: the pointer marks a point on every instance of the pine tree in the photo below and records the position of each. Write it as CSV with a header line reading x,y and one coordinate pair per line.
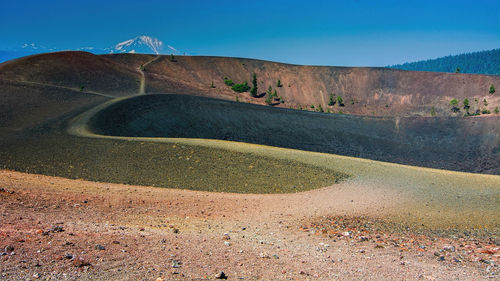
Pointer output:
x,y
269,99
332,100
492,89
253,92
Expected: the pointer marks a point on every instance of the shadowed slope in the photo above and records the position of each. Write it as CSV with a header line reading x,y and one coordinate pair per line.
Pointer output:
x,y
26,105
452,143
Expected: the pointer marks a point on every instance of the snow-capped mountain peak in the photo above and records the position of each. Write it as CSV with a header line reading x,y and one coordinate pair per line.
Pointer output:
x,y
140,44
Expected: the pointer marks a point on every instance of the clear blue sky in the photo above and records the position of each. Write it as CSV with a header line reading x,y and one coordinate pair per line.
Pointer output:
x,y
348,32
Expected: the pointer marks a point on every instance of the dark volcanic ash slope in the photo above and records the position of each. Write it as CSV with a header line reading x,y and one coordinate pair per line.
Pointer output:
x,y
466,144
24,105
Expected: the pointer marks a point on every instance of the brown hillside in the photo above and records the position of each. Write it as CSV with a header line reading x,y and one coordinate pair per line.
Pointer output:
x,y
365,91
73,69
131,61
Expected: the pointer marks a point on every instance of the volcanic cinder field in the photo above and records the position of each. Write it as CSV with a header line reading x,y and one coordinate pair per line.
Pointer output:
x,y
145,167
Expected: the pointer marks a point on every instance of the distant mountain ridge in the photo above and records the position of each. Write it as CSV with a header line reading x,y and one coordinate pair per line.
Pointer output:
x,y
140,44
482,62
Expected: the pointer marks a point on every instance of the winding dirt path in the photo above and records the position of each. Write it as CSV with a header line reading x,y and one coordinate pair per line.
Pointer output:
x,y
140,69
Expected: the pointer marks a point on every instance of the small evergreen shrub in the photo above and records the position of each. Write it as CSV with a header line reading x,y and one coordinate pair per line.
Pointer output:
x,y
433,111
240,88
466,104
340,101
228,81
454,105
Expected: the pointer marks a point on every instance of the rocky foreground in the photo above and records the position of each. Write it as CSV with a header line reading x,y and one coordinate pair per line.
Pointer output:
x,y
60,229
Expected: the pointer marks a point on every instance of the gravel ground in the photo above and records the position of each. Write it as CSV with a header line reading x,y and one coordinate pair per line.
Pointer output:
x,y
62,229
